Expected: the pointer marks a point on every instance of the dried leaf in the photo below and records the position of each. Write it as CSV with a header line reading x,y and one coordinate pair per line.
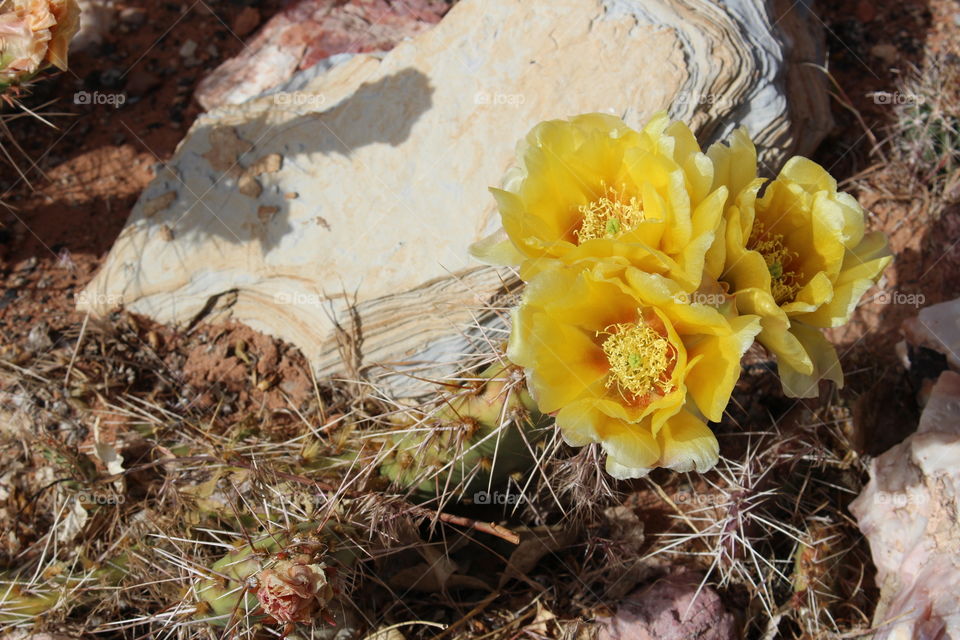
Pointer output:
x,y
534,544
74,521
543,621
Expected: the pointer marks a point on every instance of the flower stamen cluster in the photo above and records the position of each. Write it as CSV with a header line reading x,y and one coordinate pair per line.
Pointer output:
x,y
609,216
785,283
641,360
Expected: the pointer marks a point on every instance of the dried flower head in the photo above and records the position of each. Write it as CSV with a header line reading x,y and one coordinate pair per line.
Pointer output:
x,y
33,34
292,591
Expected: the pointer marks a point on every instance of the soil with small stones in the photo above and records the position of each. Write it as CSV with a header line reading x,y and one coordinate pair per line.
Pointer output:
x,y
81,178
877,53
89,171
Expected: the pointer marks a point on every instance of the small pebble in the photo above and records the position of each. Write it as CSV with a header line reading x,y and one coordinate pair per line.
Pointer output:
x,y
246,21
886,52
133,16
27,265
187,49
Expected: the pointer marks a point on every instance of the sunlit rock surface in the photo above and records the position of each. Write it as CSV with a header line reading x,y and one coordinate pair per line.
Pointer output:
x,y
364,188
908,512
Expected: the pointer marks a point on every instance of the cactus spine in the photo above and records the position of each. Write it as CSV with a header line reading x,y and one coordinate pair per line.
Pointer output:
x,y
480,438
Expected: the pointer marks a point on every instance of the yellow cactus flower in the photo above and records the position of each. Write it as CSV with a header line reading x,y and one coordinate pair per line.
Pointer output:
x,y
622,357
797,256
592,187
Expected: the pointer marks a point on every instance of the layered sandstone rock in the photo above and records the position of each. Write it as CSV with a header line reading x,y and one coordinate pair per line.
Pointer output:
x,y
337,216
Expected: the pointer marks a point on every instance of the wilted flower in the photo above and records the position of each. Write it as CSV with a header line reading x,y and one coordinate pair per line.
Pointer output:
x,y
623,358
592,187
797,256
34,33
290,591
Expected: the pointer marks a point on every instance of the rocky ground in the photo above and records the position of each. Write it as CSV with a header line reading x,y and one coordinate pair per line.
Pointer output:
x,y
895,101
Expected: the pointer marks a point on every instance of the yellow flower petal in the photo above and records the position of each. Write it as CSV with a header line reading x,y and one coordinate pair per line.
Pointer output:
x,y
817,292
775,329
577,423
687,444
866,260
746,270
631,450
496,249
826,365
592,188
808,175
734,164
564,362
711,380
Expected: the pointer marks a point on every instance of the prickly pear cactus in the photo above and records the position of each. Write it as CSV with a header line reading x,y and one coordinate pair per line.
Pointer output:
x,y
23,599
19,604
240,582
476,441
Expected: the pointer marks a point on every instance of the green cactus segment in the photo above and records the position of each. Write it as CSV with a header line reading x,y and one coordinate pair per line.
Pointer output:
x,y
21,601
226,595
18,604
480,439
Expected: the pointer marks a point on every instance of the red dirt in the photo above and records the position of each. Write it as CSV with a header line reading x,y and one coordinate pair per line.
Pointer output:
x,y
259,370
89,173
83,178
878,47
90,170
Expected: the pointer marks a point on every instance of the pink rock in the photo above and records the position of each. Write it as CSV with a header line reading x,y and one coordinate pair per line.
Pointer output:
x,y
908,513
672,608
309,31
937,327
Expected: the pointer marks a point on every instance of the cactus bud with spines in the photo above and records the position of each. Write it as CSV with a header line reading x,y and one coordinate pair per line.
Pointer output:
x,y
231,591
478,439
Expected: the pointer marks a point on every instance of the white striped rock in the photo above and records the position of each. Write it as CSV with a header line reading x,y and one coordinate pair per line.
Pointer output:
x,y
367,184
